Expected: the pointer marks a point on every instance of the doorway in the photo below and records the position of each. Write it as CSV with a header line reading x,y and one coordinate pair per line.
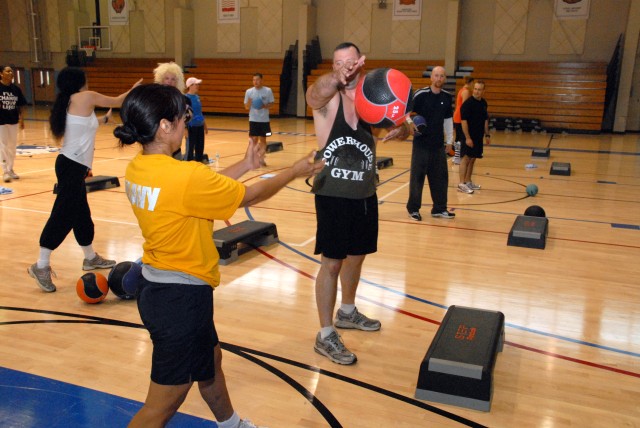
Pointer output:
x,y
43,85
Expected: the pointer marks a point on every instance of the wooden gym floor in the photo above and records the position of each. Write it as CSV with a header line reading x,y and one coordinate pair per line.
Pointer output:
x,y
572,352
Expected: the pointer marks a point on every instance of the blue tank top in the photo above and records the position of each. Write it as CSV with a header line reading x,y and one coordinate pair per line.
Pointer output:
x,y
350,157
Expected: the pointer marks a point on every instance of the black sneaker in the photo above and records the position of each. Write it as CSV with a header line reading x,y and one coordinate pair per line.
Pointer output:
x,y
443,214
415,216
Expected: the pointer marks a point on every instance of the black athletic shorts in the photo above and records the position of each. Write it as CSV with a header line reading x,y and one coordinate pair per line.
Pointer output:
x,y
473,152
346,226
179,318
259,129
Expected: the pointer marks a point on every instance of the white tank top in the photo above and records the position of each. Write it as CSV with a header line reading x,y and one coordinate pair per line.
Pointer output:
x,y
80,138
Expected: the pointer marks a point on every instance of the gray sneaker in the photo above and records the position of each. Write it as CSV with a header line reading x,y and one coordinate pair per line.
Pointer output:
x,y
356,320
444,214
333,348
42,277
98,262
473,186
415,216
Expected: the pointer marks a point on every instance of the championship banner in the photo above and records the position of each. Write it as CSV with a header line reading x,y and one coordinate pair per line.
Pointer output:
x,y
572,9
228,11
119,12
407,10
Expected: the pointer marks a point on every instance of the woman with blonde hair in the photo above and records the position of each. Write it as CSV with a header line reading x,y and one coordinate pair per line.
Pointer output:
x,y
170,74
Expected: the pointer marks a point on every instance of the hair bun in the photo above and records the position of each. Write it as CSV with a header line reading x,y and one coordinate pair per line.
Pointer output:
x,y
126,134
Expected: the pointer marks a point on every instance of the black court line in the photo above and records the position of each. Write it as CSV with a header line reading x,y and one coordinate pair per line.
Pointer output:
x,y
364,385
248,354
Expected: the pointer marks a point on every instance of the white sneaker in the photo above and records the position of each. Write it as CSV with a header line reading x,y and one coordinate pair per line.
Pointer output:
x,y
14,175
6,177
464,188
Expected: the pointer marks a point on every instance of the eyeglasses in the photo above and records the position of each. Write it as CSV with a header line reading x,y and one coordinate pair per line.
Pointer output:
x,y
188,114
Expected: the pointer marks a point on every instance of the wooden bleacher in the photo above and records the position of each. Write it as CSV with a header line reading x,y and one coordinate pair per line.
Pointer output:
x,y
224,81
113,76
562,95
414,69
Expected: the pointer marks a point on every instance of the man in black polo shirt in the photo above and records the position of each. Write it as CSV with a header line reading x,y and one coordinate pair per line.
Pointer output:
x,y
428,157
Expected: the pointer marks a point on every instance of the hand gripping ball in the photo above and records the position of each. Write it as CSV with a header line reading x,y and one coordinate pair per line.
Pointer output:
x,y
257,103
420,123
384,98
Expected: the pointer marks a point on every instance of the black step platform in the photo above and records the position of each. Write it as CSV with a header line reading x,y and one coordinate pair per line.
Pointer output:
x,y
529,232
458,366
239,238
541,153
274,146
560,168
384,162
99,182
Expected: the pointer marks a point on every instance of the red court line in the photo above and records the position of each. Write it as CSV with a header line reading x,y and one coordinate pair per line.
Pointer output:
x,y
574,360
432,321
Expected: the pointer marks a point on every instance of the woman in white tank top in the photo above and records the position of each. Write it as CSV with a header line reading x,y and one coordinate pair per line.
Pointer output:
x,y
73,121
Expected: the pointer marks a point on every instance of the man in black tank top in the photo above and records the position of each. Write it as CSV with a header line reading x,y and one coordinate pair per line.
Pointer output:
x,y
346,201
345,198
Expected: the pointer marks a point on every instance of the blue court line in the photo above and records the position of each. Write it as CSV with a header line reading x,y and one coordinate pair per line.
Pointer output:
x,y
625,226
29,401
439,305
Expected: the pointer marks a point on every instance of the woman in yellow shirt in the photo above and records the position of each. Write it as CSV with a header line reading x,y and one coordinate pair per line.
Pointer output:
x,y
176,204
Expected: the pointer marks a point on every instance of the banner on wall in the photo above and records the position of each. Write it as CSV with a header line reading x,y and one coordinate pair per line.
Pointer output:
x,y
404,10
118,12
228,11
572,9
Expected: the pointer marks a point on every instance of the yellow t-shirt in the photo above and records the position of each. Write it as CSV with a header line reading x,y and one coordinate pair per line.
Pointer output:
x,y
176,203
